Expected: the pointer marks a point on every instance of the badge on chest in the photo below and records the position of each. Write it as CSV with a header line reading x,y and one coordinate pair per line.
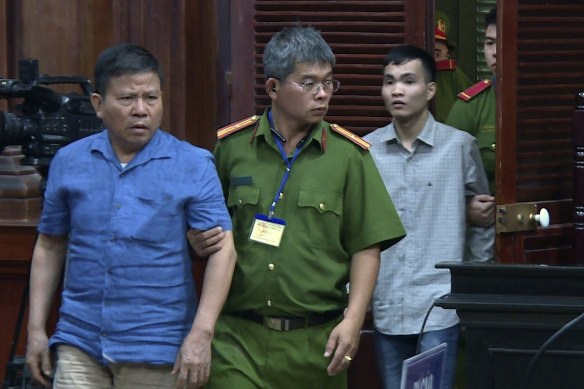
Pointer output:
x,y
267,230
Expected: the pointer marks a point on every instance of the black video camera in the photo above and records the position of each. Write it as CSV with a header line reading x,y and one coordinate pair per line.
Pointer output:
x,y
46,120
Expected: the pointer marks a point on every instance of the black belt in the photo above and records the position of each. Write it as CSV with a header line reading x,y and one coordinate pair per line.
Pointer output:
x,y
288,323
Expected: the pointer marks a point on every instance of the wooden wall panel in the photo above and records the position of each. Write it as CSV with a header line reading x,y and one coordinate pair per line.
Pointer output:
x,y
67,37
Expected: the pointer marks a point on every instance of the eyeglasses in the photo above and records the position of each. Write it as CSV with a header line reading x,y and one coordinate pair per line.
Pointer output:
x,y
329,86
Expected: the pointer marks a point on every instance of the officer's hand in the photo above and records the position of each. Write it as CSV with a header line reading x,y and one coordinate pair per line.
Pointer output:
x,y
207,242
480,210
38,359
342,345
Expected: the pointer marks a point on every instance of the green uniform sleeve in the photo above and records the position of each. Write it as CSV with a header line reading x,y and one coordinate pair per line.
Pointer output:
x,y
371,217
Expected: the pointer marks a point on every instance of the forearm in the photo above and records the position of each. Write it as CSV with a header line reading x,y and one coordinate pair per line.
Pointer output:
x,y
216,283
364,270
47,263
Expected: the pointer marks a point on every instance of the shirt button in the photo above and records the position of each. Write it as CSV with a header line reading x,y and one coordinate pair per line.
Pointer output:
x,y
271,266
113,238
321,206
118,205
269,303
239,202
281,196
493,147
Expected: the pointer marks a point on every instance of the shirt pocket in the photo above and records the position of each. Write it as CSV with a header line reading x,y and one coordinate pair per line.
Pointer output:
x,y
242,203
320,217
240,196
156,215
321,201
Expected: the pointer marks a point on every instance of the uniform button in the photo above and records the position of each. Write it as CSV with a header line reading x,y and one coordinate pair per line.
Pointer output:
x,y
271,266
113,238
493,147
321,206
118,205
281,196
239,202
269,303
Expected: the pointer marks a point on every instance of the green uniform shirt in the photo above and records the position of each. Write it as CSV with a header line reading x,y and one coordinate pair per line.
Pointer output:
x,y
477,116
334,204
449,82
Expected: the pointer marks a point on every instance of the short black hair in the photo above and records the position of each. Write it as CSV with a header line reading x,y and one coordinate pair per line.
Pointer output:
x,y
491,17
406,53
120,59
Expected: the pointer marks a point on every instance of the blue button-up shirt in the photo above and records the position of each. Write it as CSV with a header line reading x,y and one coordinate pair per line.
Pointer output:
x,y
129,295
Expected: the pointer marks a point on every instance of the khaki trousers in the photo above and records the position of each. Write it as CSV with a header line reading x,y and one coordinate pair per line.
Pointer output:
x,y
77,370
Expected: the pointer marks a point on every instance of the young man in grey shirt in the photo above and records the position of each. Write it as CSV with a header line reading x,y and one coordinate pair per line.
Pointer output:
x,y
430,170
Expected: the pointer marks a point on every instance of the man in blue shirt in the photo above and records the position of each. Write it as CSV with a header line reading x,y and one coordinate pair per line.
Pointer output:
x,y
116,211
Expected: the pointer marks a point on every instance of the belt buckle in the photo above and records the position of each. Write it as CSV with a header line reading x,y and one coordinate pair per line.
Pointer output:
x,y
275,323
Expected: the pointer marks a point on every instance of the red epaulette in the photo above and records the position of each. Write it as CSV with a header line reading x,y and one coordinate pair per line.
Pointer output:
x,y
352,137
447,64
234,127
474,90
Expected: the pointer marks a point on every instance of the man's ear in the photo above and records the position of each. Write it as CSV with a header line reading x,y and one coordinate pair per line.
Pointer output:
x,y
96,101
272,85
430,90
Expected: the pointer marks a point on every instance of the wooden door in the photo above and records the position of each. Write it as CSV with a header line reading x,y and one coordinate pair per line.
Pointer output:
x,y
539,72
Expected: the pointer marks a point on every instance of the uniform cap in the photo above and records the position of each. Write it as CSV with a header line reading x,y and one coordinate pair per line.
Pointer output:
x,y
440,34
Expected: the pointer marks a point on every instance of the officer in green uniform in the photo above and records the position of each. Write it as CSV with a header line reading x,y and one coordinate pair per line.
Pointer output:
x,y
450,79
474,112
310,213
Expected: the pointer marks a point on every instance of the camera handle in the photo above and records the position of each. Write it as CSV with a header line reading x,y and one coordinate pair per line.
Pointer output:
x,y
83,82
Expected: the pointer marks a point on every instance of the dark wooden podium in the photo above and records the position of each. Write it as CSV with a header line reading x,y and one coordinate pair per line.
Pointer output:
x,y
509,311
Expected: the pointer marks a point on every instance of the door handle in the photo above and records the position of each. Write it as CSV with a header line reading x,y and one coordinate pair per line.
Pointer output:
x,y
520,217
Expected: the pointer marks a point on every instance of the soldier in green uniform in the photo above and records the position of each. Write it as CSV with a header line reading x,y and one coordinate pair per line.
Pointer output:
x,y
310,214
474,112
450,79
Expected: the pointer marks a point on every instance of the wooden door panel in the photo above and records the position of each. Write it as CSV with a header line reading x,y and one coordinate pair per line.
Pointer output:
x,y
539,73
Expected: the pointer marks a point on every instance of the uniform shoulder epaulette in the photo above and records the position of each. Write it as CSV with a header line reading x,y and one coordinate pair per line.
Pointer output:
x,y
446,64
352,137
474,90
234,127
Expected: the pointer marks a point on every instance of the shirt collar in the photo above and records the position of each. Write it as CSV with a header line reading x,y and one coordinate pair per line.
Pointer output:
x,y
318,133
154,149
427,135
